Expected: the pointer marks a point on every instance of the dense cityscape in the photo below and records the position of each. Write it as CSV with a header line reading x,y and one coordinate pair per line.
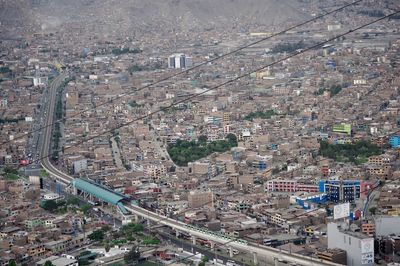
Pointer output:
x,y
199,132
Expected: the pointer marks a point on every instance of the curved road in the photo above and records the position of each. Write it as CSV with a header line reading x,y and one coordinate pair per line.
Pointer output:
x,y
47,133
265,255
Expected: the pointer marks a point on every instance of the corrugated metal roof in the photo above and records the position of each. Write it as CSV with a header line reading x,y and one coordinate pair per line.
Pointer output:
x,y
98,191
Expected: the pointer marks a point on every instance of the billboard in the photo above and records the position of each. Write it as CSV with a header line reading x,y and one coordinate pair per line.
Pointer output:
x,y
367,251
341,211
367,245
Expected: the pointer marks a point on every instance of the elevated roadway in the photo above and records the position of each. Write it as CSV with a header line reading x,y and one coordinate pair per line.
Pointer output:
x,y
262,255
44,151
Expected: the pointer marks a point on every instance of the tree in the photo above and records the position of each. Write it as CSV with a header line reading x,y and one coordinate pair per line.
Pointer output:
x,y
202,139
50,205
135,68
96,235
85,208
73,201
151,241
43,173
12,263
133,255
105,228
4,70
107,247
10,170
205,259
372,210
48,263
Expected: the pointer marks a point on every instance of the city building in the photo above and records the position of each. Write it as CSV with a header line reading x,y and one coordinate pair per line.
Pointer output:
x,y
59,261
79,166
394,141
387,225
333,255
179,61
286,185
343,190
197,199
342,128
359,247
311,201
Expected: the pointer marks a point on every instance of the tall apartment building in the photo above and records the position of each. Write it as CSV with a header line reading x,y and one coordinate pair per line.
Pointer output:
x,y
359,247
179,61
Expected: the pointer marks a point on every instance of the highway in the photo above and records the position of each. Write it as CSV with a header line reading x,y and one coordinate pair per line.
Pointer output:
x,y
44,152
265,255
34,140
262,254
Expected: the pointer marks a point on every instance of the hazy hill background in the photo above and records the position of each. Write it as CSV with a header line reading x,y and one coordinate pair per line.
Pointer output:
x,y
176,14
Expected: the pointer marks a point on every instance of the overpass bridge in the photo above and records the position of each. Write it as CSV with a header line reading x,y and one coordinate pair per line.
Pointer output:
x,y
261,254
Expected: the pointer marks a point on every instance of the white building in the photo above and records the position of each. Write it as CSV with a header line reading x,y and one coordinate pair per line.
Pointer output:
x,y
79,166
179,61
359,247
387,225
59,261
39,81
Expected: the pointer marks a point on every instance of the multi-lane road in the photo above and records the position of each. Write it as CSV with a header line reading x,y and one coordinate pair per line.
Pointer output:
x,y
35,139
45,149
262,254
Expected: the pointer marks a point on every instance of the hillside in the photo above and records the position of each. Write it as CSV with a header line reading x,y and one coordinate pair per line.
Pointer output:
x,y
132,14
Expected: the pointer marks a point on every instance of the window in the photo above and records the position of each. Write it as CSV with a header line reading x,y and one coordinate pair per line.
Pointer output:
x,y
344,239
349,240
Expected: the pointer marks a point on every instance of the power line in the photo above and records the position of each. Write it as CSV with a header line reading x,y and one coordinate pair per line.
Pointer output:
x,y
230,81
187,70
258,245
259,69
233,80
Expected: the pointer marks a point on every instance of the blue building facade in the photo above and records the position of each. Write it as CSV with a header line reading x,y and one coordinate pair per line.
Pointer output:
x,y
341,190
311,201
394,141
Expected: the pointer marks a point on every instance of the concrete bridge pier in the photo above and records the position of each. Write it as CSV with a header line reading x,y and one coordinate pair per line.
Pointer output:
x,y
177,233
136,218
212,245
193,240
231,252
255,259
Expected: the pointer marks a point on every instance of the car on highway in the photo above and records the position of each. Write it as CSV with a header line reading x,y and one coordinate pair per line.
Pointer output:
x,y
234,251
231,263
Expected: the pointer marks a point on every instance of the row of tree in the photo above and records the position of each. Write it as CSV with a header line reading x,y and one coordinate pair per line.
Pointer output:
x,y
189,151
357,152
260,114
148,67
372,13
5,70
10,120
335,89
119,51
288,47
